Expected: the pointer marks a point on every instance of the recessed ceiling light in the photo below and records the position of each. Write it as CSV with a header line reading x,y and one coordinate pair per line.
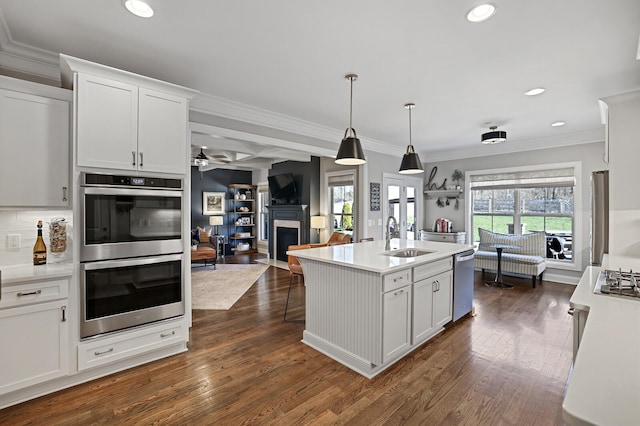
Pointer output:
x,y
535,91
481,13
139,8
558,124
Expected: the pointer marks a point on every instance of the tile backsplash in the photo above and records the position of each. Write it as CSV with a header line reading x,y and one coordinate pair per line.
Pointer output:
x,y
23,223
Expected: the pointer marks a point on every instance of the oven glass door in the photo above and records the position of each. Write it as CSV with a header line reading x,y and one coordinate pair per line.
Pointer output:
x,y
119,223
125,293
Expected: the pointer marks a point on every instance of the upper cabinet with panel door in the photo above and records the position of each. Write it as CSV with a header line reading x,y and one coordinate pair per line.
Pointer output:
x,y
125,121
34,144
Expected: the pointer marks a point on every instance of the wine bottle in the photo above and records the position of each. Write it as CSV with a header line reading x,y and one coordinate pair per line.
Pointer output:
x,y
39,249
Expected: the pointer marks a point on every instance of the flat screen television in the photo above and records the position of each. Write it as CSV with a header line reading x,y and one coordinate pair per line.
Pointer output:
x,y
283,187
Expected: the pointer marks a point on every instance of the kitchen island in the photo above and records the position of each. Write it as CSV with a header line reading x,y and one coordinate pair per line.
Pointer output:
x,y
367,307
606,373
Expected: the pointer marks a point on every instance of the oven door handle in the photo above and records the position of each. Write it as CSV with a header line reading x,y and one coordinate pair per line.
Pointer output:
x,y
133,192
121,263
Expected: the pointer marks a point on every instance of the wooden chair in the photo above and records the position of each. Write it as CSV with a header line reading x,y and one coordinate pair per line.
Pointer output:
x,y
294,269
336,237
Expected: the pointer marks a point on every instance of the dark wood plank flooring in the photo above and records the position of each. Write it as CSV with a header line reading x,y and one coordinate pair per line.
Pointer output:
x,y
508,365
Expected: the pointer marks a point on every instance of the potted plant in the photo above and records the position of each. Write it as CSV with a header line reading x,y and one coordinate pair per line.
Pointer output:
x,y
457,175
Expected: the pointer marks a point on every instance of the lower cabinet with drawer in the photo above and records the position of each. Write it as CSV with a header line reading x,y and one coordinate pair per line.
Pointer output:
x,y
35,334
113,348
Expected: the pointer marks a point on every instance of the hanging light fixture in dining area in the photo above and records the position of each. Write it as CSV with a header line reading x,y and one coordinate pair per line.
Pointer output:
x,y
410,160
350,152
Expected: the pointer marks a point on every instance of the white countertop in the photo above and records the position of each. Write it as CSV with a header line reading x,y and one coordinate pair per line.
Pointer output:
x,y
605,384
370,255
16,274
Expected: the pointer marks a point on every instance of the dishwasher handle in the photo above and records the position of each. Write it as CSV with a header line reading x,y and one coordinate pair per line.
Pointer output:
x,y
465,258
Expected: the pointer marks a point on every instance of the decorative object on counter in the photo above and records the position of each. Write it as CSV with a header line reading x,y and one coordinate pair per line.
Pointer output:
x,y
57,236
374,196
493,136
350,152
213,203
39,249
457,175
216,221
410,160
442,225
431,185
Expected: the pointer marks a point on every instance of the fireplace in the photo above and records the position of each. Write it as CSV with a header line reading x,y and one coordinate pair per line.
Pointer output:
x,y
287,233
289,225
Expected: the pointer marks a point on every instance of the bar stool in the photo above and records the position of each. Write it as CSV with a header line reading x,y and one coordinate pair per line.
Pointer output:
x,y
294,269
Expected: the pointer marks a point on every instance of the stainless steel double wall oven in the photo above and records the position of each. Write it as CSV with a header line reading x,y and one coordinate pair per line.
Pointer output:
x,y
131,251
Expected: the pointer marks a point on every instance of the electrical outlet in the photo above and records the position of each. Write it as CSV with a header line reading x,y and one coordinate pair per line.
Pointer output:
x,y
13,241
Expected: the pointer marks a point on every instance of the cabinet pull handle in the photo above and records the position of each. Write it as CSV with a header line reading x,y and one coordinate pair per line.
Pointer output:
x,y
31,293
133,155
141,159
64,313
571,311
168,334
96,353
64,193
398,292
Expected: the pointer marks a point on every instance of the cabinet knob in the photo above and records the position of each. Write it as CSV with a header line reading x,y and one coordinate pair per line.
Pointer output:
x,y
398,292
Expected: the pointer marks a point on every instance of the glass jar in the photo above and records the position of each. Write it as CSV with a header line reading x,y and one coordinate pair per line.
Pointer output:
x,y
57,235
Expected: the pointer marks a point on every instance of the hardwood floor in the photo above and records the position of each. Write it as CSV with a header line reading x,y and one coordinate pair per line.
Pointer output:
x,y
507,365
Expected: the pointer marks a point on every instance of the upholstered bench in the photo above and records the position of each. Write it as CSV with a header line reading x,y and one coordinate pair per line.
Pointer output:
x,y
527,259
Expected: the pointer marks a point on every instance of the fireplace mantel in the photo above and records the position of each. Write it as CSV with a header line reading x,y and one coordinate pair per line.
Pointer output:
x,y
290,213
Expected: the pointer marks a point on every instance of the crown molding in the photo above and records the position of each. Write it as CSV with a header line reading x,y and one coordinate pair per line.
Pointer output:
x,y
567,139
226,108
24,58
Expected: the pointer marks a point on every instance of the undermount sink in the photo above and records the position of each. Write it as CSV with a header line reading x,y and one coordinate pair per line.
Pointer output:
x,y
408,253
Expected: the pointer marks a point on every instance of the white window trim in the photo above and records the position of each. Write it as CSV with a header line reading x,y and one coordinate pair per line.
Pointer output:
x,y
327,201
578,246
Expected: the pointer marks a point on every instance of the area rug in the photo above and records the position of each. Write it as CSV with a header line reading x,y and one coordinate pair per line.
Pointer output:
x,y
220,288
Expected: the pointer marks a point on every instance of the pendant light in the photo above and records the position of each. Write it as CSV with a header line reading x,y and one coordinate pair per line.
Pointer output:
x,y
350,152
201,159
410,160
493,136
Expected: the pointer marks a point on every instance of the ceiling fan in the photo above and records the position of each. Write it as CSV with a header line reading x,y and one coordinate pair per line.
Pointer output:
x,y
203,160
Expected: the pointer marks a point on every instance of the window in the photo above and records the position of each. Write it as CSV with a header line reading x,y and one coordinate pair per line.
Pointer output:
x,y
263,201
342,203
518,202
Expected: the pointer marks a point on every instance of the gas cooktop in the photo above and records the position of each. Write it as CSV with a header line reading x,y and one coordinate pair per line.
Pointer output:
x,y
618,283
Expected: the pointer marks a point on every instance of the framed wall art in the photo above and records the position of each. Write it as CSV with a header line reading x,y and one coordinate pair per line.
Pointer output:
x,y
213,203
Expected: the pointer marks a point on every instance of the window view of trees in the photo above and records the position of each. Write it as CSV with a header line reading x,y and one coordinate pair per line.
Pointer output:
x,y
342,203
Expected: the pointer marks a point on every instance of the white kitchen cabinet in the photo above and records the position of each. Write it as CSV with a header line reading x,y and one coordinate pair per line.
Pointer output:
x,y
127,127
396,314
35,334
107,123
34,145
423,323
442,299
432,305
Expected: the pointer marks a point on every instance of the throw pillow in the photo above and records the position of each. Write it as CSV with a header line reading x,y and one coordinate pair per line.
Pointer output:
x,y
195,236
204,234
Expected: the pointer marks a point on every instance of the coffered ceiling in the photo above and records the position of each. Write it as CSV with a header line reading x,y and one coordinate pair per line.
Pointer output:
x,y
281,64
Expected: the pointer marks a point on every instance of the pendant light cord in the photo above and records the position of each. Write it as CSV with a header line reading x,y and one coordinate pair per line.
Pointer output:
x,y
350,106
410,108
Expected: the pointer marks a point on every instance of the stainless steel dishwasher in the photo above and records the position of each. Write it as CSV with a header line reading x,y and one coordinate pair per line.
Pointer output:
x,y
463,267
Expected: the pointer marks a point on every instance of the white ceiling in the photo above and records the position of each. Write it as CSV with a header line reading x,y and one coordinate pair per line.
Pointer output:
x,y
289,58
